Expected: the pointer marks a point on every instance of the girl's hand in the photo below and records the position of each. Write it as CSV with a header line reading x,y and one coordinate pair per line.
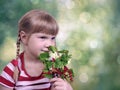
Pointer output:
x,y
60,84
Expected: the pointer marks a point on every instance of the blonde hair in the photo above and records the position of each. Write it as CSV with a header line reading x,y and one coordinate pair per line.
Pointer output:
x,y
36,21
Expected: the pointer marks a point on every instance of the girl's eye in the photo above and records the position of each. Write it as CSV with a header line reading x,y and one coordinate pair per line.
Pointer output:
x,y
53,38
43,37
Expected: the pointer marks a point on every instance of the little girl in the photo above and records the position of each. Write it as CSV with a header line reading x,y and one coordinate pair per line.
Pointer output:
x,y
37,31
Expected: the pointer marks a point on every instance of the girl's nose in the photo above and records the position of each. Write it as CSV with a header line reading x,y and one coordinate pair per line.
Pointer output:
x,y
49,43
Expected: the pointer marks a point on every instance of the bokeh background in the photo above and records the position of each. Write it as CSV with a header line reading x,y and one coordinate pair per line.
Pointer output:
x,y
89,29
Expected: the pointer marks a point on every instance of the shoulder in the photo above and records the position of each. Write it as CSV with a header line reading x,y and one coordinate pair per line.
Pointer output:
x,y
10,66
6,77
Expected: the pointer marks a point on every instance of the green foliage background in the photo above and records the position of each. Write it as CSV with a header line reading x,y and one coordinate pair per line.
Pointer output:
x,y
89,29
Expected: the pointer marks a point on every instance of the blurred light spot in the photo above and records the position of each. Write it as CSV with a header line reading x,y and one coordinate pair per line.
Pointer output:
x,y
85,17
93,44
65,31
69,4
83,77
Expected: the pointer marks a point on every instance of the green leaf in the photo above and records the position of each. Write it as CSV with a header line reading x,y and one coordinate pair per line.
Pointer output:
x,y
48,65
63,51
44,56
48,75
53,49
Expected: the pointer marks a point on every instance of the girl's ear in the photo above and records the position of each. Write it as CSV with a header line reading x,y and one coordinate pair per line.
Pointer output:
x,y
24,37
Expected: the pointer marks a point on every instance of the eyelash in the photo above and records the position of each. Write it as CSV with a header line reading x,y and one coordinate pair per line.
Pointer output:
x,y
43,37
53,38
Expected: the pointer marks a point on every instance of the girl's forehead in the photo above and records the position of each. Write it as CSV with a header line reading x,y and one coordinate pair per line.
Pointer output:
x,y
42,34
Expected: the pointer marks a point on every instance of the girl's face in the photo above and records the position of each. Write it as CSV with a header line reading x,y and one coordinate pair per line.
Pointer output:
x,y
39,43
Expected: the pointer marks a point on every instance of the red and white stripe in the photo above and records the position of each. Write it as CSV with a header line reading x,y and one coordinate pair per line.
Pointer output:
x,y
25,82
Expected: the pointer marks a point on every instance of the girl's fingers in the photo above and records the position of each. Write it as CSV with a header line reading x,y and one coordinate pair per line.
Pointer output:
x,y
56,80
58,84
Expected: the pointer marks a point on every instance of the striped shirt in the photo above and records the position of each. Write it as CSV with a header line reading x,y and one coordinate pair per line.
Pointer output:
x,y
24,82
